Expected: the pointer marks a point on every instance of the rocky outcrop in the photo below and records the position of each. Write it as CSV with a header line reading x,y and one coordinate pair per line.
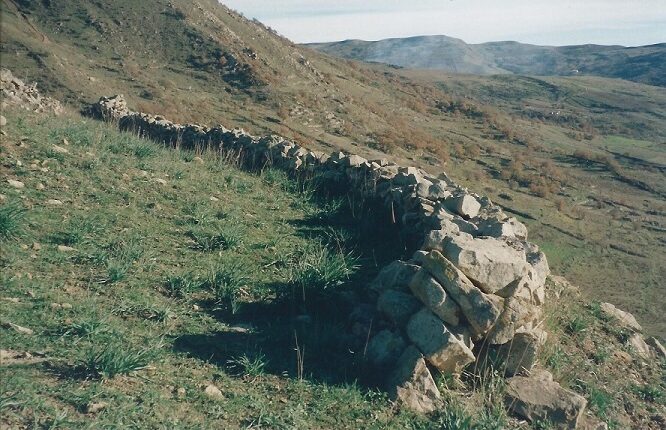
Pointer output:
x,y
17,93
474,280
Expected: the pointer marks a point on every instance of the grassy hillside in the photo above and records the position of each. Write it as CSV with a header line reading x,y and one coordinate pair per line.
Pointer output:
x,y
146,287
580,158
643,64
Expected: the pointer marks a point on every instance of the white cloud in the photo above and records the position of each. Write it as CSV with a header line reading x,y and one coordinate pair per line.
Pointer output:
x,y
555,22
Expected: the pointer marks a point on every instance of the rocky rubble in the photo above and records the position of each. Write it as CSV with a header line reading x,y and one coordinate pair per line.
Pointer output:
x,y
16,92
474,285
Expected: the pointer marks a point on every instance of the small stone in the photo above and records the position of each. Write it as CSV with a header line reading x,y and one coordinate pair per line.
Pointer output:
x,y
3,121
161,181
637,343
213,392
36,246
18,328
16,184
15,300
60,149
214,199
40,186
65,141
54,202
181,392
3,197
66,306
198,160
93,408
63,248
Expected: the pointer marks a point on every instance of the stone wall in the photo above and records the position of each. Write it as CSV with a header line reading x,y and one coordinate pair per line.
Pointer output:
x,y
475,284
16,92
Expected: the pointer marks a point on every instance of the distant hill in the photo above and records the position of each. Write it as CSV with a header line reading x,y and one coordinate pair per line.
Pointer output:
x,y
645,64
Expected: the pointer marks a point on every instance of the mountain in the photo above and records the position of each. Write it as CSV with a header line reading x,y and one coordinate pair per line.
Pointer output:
x,y
646,64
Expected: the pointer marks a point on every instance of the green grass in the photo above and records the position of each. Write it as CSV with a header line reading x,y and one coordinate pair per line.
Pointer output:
x,y
11,221
168,289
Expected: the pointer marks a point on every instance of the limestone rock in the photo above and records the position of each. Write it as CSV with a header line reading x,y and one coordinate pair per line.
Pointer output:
x,y
464,205
213,392
518,315
385,348
16,184
433,296
623,318
657,347
508,228
640,347
397,306
479,309
520,354
435,238
395,276
411,383
3,121
488,262
538,398
441,347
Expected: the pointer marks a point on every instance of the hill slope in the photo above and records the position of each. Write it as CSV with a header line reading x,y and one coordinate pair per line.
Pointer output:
x,y
646,64
579,158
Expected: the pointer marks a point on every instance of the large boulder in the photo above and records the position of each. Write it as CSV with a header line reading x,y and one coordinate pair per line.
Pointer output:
x,y
395,276
511,228
441,348
433,296
480,310
490,263
538,398
411,384
397,306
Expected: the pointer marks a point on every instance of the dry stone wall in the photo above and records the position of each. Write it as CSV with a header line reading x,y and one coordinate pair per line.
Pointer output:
x,y
475,283
16,92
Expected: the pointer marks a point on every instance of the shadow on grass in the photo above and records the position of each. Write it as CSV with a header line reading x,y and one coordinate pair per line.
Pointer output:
x,y
319,334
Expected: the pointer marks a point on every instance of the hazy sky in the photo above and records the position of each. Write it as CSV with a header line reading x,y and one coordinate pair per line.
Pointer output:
x,y
547,22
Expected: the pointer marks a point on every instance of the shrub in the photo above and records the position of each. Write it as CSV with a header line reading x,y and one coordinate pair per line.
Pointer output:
x,y
320,269
11,221
112,360
249,366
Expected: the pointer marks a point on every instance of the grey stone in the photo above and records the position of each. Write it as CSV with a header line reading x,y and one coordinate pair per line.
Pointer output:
x,y
464,205
411,384
479,309
623,318
397,306
518,315
395,276
491,264
434,297
539,398
441,348
385,348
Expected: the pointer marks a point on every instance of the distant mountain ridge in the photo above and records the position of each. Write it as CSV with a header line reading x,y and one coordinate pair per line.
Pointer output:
x,y
645,64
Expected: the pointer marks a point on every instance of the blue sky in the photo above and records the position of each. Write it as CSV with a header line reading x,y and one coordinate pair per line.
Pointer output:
x,y
545,22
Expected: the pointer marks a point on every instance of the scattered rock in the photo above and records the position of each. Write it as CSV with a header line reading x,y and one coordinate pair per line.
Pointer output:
x,y
54,202
640,347
16,184
213,392
538,398
411,384
160,181
63,248
60,149
3,121
17,328
440,347
214,199
198,160
658,348
625,319
36,246
93,408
